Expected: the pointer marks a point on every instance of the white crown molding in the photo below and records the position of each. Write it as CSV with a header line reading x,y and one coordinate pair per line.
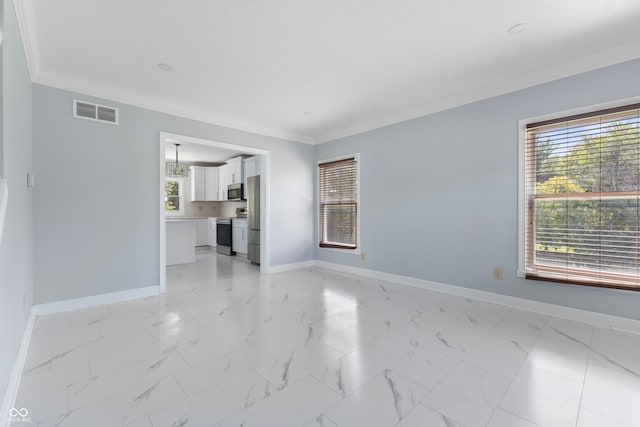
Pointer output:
x,y
16,372
590,317
25,14
578,65
24,11
73,85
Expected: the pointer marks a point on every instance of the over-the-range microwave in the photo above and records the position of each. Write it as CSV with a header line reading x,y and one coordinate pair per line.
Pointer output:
x,y
234,192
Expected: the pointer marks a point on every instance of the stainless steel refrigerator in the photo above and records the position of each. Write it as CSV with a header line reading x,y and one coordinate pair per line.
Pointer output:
x,y
253,206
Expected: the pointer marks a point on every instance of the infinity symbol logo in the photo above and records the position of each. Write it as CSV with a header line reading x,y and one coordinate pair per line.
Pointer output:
x,y
13,412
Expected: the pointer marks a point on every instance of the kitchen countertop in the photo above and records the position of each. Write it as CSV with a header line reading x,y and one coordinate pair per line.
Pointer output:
x,y
188,218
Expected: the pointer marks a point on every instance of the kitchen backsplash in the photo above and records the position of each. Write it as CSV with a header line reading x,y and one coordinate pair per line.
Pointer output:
x,y
204,209
228,209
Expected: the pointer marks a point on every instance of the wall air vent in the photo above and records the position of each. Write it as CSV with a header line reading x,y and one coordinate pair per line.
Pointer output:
x,y
95,112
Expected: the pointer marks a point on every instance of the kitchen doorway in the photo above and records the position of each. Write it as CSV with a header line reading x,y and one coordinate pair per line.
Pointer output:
x,y
169,139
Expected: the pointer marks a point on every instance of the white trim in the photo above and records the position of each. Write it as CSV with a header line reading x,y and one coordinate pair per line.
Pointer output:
x,y
162,245
94,300
590,317
358,249
16,373
4,197
288,267
264,156
522,136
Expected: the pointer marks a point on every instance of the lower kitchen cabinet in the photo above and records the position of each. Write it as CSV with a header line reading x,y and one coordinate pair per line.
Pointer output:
x,y
202,232
240,236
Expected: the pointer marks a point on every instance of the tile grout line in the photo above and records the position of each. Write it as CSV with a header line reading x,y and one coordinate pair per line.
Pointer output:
x,y
546,323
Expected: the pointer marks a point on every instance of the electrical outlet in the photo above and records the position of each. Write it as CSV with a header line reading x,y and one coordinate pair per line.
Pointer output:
x,y
200,208
497,273
363,256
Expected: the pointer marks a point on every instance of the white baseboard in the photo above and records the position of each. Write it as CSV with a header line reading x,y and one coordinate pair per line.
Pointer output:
x,y
16,373
289,267
85,302
590,317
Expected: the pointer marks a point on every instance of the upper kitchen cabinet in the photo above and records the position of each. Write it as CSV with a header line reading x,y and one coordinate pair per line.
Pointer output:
x,y
234,170
223,181
212,189
198,183
204,184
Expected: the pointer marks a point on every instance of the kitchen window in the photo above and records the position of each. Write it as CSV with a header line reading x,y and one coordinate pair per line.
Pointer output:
x,y
580,197
173,197
338,203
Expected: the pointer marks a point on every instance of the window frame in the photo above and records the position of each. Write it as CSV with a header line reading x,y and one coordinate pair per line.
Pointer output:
x,y
358,249
181,198
572,114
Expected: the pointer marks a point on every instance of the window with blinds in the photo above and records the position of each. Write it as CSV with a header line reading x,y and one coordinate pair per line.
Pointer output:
x,y
581,199
338,181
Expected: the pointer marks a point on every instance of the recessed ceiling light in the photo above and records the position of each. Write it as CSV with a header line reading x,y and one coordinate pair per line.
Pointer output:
x,y
308,113
517,29
165,67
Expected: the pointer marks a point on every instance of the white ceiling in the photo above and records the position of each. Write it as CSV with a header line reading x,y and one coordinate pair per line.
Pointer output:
x,y
314,70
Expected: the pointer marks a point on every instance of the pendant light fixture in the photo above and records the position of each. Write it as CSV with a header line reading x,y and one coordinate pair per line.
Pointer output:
x,y
177,169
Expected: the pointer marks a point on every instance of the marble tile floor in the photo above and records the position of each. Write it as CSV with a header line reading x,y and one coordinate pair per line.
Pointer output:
x,y
226,346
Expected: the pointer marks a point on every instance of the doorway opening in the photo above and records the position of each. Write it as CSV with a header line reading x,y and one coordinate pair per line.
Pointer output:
x,y
166,142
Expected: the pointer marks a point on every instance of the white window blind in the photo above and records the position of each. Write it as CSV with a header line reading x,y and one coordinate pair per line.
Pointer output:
x,y
339,204
582,182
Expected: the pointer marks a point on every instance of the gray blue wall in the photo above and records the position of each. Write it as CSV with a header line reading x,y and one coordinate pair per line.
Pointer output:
x,y
16,247
96,198
439,193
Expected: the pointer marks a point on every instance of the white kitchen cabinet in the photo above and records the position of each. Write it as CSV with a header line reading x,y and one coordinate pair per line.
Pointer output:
x,y
240,235
212,189
198,183
202,232
250,167
204,184
234,170
223,182
213,236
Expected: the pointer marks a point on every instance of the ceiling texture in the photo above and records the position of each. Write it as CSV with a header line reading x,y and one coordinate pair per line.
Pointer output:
x,y
311,70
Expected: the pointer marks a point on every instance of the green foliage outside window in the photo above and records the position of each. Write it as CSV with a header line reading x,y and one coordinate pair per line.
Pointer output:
x,y
579,227
171,196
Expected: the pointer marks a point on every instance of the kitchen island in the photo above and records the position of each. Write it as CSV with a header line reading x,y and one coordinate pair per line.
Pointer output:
x,y
181,240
